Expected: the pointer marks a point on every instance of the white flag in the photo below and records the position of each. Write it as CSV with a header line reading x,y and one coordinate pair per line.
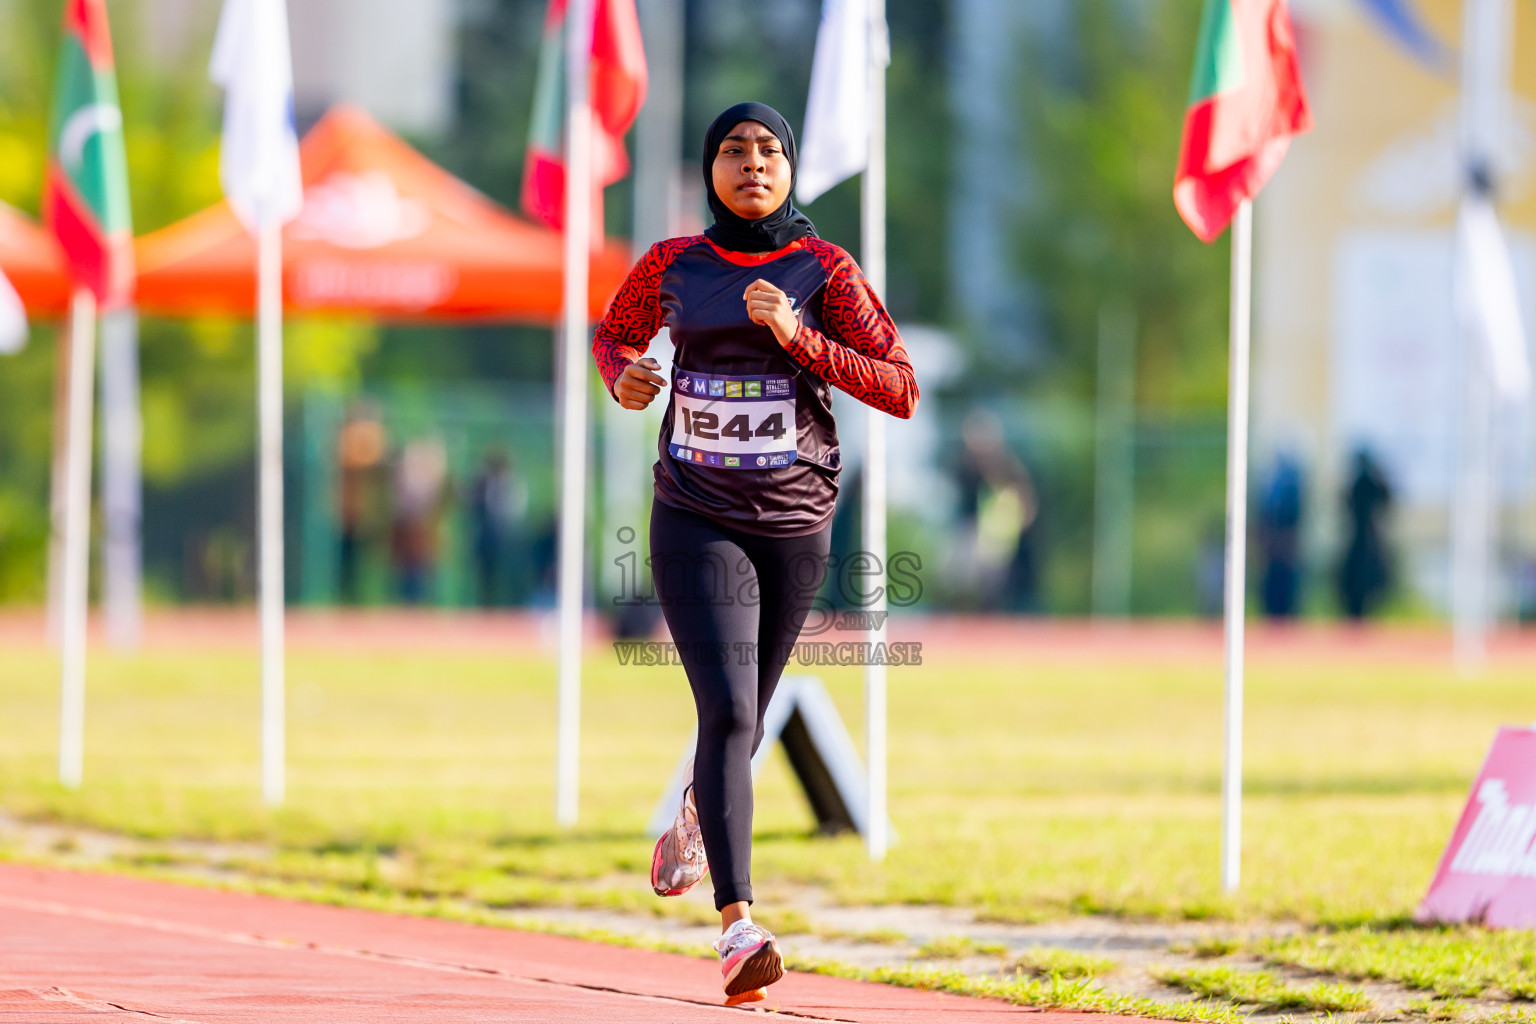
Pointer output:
x,y
1487,298
13,319
259,157
835,139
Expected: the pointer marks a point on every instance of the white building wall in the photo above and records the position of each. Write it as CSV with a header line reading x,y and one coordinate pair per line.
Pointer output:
x,y
1355,337
395,58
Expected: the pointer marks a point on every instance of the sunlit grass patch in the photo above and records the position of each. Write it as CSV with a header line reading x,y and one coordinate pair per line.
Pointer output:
x,y
872,936
958,947
1209,947
1049,993
785,922
1436,1009
1509,1015
1263,989
1451,963
1063,963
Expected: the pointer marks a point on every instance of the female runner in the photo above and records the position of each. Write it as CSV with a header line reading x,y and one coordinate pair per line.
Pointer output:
x,y
766,318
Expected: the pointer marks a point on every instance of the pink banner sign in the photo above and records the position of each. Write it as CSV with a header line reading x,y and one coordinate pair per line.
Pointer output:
x,y
1488,872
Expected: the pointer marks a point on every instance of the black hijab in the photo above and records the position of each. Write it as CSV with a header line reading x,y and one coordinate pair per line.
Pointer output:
x,y
780,227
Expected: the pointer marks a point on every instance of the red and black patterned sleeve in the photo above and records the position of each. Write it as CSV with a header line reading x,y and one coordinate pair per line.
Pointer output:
x,y
864,355
634,316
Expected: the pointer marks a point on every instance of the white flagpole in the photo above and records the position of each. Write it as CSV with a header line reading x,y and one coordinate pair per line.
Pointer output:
x,y
1472,516
259,169
1485,60
77,526
269,290
13,319
1237,548
121,487
873,253
573,405
58,485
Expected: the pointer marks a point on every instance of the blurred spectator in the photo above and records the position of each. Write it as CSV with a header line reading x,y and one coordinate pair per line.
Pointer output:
x,y
360,447
1279,530
1211,571
1363,575
421,478
545,558
1525,590
998,505
496,502
1021,580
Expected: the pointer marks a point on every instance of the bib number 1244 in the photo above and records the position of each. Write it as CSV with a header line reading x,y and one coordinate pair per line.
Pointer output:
x,y
733,422
705,425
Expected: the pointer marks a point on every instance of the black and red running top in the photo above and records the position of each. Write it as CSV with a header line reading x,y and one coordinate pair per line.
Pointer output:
x,y
726,449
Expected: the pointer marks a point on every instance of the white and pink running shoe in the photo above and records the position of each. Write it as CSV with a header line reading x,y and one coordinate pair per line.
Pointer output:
x,y
750,962
678,862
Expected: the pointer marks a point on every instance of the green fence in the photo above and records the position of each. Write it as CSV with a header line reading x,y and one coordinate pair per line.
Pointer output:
x,y
1178,473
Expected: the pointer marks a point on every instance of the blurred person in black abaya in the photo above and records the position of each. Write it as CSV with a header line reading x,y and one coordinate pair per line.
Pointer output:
x,y
998,508
1280,507
1363,571
496,502
361,493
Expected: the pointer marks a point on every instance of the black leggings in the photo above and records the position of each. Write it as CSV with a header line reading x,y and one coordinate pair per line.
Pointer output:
x,y
735,603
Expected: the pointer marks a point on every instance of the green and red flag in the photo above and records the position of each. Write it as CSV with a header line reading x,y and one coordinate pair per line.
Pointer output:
x,y
616,91
1245,102
86,202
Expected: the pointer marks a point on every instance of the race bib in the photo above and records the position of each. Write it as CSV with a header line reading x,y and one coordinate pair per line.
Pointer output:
x,y
733,422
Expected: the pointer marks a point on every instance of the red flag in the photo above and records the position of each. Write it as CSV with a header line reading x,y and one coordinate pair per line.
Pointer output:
x,y
1245,102
86,202
616,92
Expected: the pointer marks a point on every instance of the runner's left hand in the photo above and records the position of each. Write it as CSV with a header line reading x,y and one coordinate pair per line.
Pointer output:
x,y
769,306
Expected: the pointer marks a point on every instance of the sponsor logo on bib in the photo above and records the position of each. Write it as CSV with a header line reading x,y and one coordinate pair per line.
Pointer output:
x,y
727,422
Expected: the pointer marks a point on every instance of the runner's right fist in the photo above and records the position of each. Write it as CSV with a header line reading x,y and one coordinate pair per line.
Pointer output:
x,y
639,385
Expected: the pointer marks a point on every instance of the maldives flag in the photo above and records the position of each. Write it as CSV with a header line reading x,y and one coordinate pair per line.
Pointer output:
x,y
616,91
86,202
1245,102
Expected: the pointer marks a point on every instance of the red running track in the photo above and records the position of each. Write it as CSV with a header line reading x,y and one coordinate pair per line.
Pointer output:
x,y
96,949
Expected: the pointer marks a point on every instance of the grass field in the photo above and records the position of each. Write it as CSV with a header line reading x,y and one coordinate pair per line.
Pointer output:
x,y
1026,789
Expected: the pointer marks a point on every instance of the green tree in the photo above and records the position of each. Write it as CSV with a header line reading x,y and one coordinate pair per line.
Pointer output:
x,y
198,377
1104,138
1103,115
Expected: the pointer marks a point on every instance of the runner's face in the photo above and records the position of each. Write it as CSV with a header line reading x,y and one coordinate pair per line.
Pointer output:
x,y
751,173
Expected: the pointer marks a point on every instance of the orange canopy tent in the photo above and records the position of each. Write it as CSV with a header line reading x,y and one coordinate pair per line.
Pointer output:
x,y
30,257
384,231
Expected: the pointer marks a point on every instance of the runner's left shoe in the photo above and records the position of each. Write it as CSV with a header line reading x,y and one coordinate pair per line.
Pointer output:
x,y
749,961
678,862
